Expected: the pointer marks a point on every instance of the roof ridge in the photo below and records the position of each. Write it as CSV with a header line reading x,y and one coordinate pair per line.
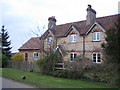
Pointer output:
x,y
107,16
85,20
70,23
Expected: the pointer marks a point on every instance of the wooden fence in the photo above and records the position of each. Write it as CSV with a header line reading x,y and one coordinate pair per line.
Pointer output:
x,y
24,65
59,66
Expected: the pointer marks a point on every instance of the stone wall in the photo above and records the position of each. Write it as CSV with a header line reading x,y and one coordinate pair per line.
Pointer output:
x,y
90,45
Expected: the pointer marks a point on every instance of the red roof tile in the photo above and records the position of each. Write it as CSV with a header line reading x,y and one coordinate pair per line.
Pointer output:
x,y
33,43
106,22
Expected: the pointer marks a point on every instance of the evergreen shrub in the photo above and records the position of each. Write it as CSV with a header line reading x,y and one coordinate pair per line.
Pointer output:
x,y
4,61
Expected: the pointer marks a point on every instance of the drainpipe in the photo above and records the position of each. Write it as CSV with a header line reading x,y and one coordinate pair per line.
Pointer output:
x,y
83,47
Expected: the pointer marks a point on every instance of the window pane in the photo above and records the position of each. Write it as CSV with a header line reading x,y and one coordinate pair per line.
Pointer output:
x,y
50,40
94,36
35,56
94,60
98,36
75,55
94,57
73,38
71,56
99,58
99,61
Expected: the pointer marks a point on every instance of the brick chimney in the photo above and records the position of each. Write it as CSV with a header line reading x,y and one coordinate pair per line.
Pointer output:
x,y
51,22
91,15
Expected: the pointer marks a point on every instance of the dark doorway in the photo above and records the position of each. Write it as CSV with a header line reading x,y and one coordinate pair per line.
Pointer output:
x,y
26,56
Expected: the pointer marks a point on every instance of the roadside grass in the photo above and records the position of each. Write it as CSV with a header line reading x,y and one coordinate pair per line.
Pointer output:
x,y
103,76
44,81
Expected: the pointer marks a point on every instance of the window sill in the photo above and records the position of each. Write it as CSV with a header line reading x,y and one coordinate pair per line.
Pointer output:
x,y
97,62
73,42
96,41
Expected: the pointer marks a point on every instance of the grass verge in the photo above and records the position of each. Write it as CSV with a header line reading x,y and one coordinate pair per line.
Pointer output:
x,y
44,81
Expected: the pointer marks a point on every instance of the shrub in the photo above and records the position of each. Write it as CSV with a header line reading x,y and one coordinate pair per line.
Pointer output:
x,y
18,56
4,61
0,60
57,73
47,63
104,73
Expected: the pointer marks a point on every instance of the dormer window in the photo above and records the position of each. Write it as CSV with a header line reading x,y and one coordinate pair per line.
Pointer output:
x,y
96,36
50,40
73,38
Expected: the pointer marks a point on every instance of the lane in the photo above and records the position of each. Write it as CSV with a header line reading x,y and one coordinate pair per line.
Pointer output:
x,y
7,83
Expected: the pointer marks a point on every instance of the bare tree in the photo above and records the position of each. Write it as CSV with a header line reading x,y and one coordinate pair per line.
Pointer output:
x,y
41,37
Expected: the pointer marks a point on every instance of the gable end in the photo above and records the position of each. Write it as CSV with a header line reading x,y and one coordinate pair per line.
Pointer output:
x,y
93,27
70,29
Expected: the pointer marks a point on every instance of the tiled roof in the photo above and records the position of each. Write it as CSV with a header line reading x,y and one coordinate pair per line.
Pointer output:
x,y
32,44
61,30
106,22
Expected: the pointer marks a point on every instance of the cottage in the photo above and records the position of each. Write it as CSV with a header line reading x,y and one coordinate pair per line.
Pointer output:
x,y
82,38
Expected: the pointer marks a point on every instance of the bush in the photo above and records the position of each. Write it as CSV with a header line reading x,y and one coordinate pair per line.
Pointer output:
x,y
75,69
47,63
57,73
104,73
4,61
18,56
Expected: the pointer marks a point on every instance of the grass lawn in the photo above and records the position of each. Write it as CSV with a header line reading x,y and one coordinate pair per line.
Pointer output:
x,y
44,81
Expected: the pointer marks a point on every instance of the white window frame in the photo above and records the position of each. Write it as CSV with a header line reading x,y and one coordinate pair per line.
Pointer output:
x,y
50,40
73,55
73,38
97,58
96,36
35,57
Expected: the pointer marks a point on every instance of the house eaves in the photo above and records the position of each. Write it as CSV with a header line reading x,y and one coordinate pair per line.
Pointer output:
x,y
96,23
71,28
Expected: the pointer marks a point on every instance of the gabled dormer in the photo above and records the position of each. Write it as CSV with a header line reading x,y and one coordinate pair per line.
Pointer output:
x,y
50,37
72,34
97,32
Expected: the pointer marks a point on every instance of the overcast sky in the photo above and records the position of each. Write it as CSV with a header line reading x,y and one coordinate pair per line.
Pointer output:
x,y
21,17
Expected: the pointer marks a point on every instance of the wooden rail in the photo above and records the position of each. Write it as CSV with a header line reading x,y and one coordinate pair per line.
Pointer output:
x,y
59,66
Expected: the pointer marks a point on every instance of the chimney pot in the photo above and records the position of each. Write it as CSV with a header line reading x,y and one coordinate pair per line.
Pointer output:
x,y
91,15
89,6
52,22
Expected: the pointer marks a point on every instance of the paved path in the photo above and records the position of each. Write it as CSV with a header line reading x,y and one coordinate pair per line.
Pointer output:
x,y
7,83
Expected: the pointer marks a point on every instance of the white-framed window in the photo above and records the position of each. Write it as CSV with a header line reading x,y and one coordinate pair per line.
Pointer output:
x,y
50,40
96,57
73,38
72,56
96,36
35,55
